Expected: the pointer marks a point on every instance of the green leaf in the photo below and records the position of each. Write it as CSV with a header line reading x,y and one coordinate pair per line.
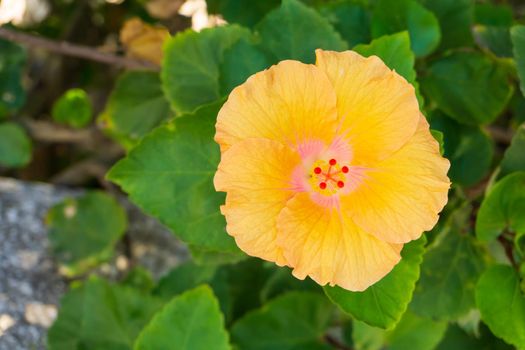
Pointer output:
x,y
502,304
84,231
206,256
458,84
282,280
242,11
517,35
135,107
295,31
296,320
383,303
15,146
191,67
456,338
445,291
98,315
469,149
73,108
495,39
503,208
493,15
412,332
455,18
240,61
438,135
191,321
186,276
350,19
409,15
395,51
12,93
170,176
514,157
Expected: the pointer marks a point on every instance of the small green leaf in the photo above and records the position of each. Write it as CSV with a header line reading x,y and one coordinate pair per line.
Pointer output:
x,y
445,291
412,332
247,13
438,135
15,146
191,67
73,108
296,320
493,15
98,315
458,84
383,303
502,304
295,31
191,321
186,276
170,176
395,51
240,61
503,208
495,39
350,19
514,157
517,34
84,231
455,18
469,149
135,107
409,15
12,93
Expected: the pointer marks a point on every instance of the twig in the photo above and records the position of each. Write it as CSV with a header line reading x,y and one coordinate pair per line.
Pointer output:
x,y
507,246
501,135
335,343
68,49
47,132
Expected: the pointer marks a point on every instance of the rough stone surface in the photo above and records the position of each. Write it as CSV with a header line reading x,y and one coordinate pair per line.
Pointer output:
x,y
30,285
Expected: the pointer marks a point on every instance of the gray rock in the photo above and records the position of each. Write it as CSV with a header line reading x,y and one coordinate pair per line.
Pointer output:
x,y
30,285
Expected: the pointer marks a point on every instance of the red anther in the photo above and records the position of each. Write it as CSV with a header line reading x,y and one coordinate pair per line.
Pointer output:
x,y
344,169
333,162
322,185
317,170
340,184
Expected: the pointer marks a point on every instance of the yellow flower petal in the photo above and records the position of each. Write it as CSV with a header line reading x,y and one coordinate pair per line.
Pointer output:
x,y
401,196
290,102
256,175
326,245
378,108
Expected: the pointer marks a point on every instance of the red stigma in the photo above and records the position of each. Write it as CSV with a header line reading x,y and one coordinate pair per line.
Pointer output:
x,y
322,185
340,184
344,169
333,162
317,170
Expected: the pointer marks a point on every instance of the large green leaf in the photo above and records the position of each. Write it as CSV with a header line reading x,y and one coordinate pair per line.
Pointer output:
x,y
294,321
247,13
395,51
412,332
493,15
191,321
83,231
136,106
514,157
101,316
469,149
12,62
502,304
503,208
186,276
494,38
15,146
458,84
73,108
517,34
295,31
350,18
450,270
455,18
409,15
191,66
240,61
383,303
170,176
457,339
